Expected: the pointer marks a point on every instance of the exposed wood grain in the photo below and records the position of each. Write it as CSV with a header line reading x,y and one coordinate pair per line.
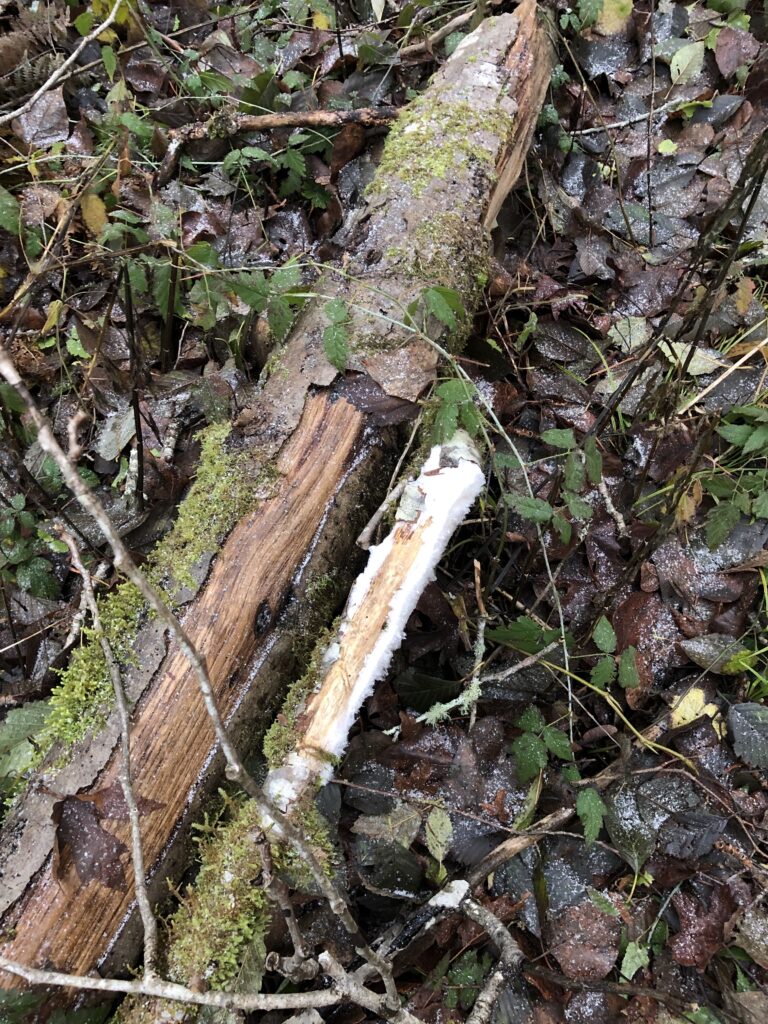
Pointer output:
x,y
172,737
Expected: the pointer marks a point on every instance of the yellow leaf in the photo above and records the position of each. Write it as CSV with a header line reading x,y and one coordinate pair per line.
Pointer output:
x,y
321,21
94,213
614,16
102,8
692,705
52,319
688,504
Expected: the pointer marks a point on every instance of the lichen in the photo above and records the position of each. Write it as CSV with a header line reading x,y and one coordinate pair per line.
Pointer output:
x,y
226,912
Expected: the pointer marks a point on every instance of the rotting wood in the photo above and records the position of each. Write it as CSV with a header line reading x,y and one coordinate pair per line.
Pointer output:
x,y
422,226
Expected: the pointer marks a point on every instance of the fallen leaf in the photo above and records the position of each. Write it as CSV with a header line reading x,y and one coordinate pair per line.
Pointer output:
x,y
586,941
94,213
84,848
733,48
749,727
701,931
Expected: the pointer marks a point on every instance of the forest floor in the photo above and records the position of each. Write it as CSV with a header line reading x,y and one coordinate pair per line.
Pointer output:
x,y
620,356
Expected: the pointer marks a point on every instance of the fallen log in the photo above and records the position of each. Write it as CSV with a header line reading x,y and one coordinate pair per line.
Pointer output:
x,y
447,165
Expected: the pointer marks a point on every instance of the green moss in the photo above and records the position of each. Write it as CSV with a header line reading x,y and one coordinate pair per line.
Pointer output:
x,y
226,913
222,493
81,699
281,736
435,137
314,829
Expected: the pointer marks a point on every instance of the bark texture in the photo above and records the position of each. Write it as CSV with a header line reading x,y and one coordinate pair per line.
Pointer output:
x,y
451,157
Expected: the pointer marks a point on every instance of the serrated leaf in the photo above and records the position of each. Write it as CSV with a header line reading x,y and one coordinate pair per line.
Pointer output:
x,y
604,636
137,276
589,12
559,438
687,63
635,958
530,756
603,672
557,743
336,345
758,440
161,287
36,577
591,811
531,720
279,318
573,472
524,635
720,521
749,727
400,825
438,306
629,676
336,311
563,527
75,346
578,508
439,833
601,901
535,510
253,289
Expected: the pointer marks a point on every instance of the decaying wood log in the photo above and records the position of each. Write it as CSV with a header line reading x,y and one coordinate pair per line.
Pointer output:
x,y
447,165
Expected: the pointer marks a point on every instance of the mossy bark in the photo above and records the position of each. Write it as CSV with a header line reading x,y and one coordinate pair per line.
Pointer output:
x,y
321,457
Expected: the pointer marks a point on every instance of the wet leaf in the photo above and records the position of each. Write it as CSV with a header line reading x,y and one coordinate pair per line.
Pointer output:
x,y
530,756
585,941
94,213
604,636
717,653
535,510
83,846
559,438
687,63
401,825
439,833
701,931
635,957
748,724
633,836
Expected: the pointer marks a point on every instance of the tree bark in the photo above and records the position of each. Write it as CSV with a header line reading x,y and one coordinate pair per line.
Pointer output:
x,y
425,224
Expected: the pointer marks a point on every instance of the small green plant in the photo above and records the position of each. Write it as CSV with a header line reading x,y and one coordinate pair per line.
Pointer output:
x,y
585,16
23,544
465,978
537,741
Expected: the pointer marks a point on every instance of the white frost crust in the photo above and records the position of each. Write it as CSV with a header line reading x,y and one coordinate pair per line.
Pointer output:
x,y
445,494
451,896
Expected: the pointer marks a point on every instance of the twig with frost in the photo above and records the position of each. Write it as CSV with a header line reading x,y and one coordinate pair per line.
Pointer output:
x,y
59,73
380,603
124,772
510,956
235,770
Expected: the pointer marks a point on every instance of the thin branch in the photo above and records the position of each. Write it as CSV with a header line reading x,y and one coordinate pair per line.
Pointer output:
x,y
59,73
357,993
124,773
235,769
176,993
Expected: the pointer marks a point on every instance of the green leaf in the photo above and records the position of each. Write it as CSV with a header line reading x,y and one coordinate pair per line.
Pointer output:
x,y
535,510
446,422
589,12
11,399
635,958
758,440
9,212
443,303
75,346
591,811
439,833
573,472
336,345
564,528
760,505
253,289
36,577
524,635
594,461
530,756
279,317
531,720
109,60
558,438
720,521
557,743
337,311
137,276
604,636
578,508
602,902
603,672
161,287
629,676
667,147
633,836
84,23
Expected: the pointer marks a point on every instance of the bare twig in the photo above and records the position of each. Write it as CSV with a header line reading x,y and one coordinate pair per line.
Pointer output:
x,y
512,670
356,992
169,990
59,73
235,769
142,897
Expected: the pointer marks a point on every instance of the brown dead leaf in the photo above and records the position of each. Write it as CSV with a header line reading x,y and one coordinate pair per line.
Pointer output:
x,y
585,941
347,144
701,932
47,122
733,48
83,850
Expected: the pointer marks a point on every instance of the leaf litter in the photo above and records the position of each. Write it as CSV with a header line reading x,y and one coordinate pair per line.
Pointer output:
x,y
612,345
